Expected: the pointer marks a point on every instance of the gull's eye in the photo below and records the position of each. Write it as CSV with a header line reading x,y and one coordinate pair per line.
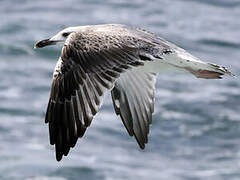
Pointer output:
x,y
65,34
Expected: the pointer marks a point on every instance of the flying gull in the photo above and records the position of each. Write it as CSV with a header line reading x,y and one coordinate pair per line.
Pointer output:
x,y
112,57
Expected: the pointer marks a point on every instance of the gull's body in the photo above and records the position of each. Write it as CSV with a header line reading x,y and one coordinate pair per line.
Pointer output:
x,y
117,58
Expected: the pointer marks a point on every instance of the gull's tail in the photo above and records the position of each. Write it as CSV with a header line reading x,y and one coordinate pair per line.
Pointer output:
x,y
197,67
209,71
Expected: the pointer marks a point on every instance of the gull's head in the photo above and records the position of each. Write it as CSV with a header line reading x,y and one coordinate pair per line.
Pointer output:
x,y
59,37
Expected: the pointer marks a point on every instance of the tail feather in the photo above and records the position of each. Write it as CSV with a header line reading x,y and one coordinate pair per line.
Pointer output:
x,y
212,71
197,67
222,69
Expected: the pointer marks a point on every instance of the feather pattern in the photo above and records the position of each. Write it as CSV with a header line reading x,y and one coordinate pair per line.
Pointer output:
x,y
82,75
133,99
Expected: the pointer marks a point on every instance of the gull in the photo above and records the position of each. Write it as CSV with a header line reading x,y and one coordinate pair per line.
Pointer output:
x,y
125,60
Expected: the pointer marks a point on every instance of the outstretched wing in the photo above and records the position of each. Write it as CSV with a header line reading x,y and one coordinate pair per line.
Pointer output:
x,y
82,75
133,99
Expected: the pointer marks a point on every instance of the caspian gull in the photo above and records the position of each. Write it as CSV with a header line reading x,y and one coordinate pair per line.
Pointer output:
x,y
117,58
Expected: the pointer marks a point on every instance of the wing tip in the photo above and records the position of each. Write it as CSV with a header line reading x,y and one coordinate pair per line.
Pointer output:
x,y
141,145
59,157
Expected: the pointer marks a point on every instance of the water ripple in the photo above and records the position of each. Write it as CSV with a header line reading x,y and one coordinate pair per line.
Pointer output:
x,y
219,43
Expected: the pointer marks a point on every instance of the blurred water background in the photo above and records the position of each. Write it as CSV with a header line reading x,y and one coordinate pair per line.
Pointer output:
x,y
196,126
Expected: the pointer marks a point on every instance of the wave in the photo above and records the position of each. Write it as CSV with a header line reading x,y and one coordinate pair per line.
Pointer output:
x,y
219,43
229,3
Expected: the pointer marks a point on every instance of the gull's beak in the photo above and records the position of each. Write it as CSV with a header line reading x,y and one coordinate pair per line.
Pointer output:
x,y
45,42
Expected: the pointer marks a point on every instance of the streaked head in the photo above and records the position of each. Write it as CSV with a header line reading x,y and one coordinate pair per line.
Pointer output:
x,y
59,37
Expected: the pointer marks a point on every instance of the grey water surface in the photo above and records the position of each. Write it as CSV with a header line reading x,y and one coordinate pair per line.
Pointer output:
x,y
195,134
